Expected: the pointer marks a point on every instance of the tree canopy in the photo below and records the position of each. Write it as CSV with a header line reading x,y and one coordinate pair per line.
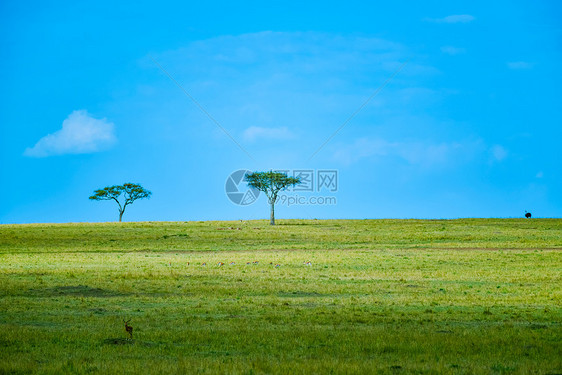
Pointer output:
x,y
131,192
271,183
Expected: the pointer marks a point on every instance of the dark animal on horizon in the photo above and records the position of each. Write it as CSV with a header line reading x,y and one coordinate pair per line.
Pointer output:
x,y
527,215
128,328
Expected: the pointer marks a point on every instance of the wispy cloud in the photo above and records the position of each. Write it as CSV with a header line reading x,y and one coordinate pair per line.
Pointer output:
x,y
420,153
517,65
450,50
455,18
309,80
255,133
80,134
282,55
498,152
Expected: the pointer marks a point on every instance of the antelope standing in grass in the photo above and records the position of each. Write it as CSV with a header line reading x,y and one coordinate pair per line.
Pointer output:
x,y
220,264
128,328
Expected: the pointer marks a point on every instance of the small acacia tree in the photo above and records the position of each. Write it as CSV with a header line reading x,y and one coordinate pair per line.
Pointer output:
x,y
271,183
131,192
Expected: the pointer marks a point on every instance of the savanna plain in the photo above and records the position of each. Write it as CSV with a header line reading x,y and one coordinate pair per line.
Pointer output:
x,y
466,296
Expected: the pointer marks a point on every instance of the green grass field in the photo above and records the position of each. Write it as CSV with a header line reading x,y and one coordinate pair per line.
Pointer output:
x,y
468,296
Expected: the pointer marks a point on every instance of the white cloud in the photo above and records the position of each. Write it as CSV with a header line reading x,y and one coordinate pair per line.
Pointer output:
x,y
517,65
254,133
455,18
80,134
450,50
499,153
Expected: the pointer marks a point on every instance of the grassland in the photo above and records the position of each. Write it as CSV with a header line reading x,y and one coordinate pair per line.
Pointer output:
x,y
471,296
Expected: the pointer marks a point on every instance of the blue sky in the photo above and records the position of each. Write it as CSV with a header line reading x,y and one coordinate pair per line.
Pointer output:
x,y
469,125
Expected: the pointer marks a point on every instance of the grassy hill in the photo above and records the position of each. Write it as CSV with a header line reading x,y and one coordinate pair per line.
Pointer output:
x,y
288,234
379,296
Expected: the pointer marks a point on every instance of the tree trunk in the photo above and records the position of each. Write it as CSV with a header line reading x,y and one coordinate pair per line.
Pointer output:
x,y
121,215
272,215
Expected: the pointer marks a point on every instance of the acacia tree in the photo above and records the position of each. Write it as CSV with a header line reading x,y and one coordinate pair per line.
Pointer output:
x,y
271,183
131,192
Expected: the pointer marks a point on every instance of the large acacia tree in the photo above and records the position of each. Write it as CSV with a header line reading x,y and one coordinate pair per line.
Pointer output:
x,y
271,183
131,192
